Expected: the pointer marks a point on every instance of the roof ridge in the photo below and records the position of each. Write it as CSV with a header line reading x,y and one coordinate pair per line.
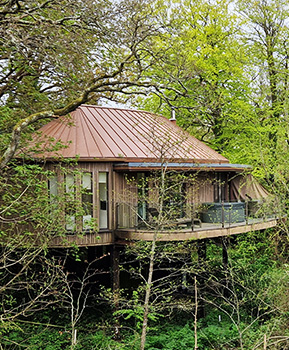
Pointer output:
x,y
107,107
126,109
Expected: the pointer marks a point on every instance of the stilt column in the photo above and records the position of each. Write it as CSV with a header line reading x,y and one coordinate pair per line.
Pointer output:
x,y
202,255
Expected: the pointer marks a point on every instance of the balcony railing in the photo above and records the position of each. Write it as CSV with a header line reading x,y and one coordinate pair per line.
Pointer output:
x,y
193,216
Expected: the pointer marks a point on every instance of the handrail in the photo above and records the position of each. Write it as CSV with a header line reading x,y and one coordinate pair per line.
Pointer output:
x,y
223,213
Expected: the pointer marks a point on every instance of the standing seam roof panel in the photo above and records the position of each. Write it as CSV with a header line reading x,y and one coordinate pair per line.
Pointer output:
x,y
107,150
83,143
120,134
163,128
127,129
90,138
143,131
67,141
53,130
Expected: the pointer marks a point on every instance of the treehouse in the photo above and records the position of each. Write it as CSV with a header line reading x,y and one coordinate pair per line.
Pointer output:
x,y
125,174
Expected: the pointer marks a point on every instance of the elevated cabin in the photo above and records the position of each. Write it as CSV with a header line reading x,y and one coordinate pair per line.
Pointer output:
x,y
137,172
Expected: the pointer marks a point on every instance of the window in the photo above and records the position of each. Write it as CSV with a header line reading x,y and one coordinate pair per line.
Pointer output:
x,y
103,200
70,202
87,200
74,199
142,195
53,187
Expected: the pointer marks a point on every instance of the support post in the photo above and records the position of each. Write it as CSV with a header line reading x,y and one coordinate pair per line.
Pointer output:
x,y
225,243
115,287
117,215
115,272
247,212
223,215
202,255
202,251
193,217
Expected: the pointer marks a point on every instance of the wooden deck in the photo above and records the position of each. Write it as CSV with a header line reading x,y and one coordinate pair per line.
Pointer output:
x,y
207,230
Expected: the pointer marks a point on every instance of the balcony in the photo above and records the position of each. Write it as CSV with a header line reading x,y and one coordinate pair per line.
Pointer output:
x,y
198,221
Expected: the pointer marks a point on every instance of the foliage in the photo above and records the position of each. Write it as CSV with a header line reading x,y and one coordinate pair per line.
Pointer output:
x,y
132,310
204,61
31,280
43,65
215,332
39,337
45,73
225,70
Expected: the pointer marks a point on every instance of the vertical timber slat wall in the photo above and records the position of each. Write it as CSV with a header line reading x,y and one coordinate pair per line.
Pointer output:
x,y
126,196
206,188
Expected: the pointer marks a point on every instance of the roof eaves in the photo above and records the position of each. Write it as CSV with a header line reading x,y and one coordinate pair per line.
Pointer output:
x,y
182,166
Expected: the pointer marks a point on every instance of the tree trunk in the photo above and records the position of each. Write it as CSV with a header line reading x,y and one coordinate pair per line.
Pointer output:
x,y
196,315
148,293
73,337
225,242
202,255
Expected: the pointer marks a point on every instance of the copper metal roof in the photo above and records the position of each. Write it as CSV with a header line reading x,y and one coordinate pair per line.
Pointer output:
x,y
94,133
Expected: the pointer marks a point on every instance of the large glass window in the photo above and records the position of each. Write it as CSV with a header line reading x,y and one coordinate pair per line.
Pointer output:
x,y
76,199
103,200
70,202
53,187
87,200
142,195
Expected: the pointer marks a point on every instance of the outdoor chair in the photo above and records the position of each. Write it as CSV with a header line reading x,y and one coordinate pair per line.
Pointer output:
x,y
182,222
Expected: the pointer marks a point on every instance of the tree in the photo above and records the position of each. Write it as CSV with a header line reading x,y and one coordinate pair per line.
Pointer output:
x,y
51,51
27,224
75,289
203,59
162,204
265,38
266,34
53,73
58,54
246,291
44,75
